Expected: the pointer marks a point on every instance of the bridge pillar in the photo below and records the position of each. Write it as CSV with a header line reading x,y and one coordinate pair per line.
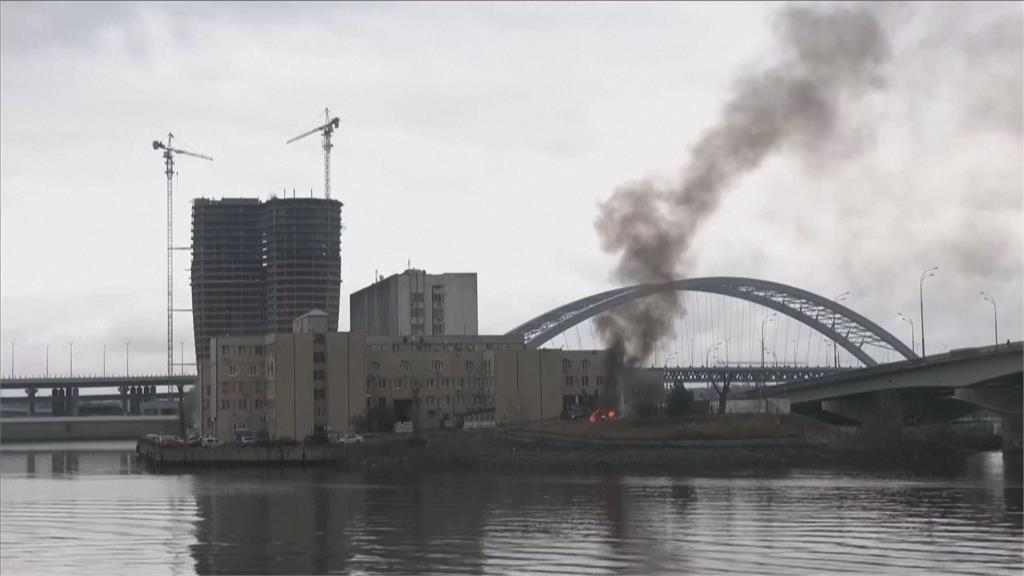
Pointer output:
x,y
31,393
1013,433
880,415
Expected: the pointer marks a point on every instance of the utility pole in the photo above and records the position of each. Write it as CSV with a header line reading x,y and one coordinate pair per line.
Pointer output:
x,y
71,359
47,360
995,316
127,343
169,152
12,358
104,359
330,124
924,275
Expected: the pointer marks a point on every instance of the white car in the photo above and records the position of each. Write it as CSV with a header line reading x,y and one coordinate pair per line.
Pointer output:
x,y
351,439
210,441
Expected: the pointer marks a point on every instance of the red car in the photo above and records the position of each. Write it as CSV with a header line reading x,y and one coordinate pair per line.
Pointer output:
x,y
171,442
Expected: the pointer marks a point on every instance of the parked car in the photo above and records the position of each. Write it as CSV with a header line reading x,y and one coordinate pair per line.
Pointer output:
x,y
209,441
154,438
171,442
246,440
349,439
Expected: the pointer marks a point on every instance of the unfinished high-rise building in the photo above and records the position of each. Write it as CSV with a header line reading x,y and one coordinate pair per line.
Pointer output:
x,y
257,266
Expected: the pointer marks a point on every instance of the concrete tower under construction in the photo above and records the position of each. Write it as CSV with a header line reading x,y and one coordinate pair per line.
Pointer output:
x,y
257,266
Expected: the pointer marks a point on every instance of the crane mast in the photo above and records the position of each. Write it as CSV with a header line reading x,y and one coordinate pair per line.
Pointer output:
x,y
328,128
169,152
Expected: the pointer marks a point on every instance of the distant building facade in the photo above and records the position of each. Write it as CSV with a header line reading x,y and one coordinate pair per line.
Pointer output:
x,y
416,304
295,384
257,266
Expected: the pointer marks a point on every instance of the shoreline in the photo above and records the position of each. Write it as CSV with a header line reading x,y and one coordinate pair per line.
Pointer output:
x,y
528,450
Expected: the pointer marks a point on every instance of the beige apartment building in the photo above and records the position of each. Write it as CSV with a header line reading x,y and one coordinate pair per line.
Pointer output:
x,y
292,385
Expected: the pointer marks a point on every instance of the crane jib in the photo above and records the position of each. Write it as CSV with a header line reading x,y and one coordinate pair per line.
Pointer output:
x,y
330,126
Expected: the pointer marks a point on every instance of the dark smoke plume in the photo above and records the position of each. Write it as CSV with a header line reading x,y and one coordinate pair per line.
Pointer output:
x,y
829,56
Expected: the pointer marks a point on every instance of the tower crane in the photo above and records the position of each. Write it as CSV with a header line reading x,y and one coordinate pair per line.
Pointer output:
x,y
169,152
330,124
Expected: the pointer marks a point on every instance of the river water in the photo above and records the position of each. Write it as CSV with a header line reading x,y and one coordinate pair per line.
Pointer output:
x,y
89,508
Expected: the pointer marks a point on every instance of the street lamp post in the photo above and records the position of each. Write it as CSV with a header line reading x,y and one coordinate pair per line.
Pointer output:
x,y
707,355
12,358
104,359
995,316
47,360
835,345
769,318
127,352
913,342
924,275
71,359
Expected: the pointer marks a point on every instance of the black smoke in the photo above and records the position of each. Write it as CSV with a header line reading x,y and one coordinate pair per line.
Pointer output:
x,y
829,56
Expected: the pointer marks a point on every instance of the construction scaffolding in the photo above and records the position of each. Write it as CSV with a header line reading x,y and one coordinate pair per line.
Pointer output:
x,y
257,266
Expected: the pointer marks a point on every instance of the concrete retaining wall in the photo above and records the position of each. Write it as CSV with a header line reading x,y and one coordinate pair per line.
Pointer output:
x,y
234,455
33,428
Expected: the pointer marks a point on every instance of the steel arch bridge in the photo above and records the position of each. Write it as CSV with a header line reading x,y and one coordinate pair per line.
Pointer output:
x,y
847,328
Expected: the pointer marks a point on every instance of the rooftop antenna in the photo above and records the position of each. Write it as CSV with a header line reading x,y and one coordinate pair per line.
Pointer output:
x,y
169,153
330,124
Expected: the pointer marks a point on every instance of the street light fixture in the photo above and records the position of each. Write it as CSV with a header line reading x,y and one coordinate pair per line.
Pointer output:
x,y
924,275
911,322
995,316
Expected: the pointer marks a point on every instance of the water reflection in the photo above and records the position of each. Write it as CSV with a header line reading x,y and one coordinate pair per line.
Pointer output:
x,y
68,510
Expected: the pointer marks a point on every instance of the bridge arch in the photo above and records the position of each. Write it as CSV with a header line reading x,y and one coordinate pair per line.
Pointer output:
x,y
847,328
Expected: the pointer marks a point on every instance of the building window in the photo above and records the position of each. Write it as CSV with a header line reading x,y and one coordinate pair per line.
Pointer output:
x,y
469,366
225,350
566,365
404,366
254,370
585,381
227,387
225,404
568,381
319,356
374,367
319,375
319,394
598,381
243,388
585,365
232,370
243,404
438,366
259,350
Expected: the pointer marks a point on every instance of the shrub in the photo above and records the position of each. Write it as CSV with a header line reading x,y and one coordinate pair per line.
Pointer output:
x,y
646,409
679,401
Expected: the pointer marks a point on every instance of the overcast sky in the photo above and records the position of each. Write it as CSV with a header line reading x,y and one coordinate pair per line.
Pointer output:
x,y
481,138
